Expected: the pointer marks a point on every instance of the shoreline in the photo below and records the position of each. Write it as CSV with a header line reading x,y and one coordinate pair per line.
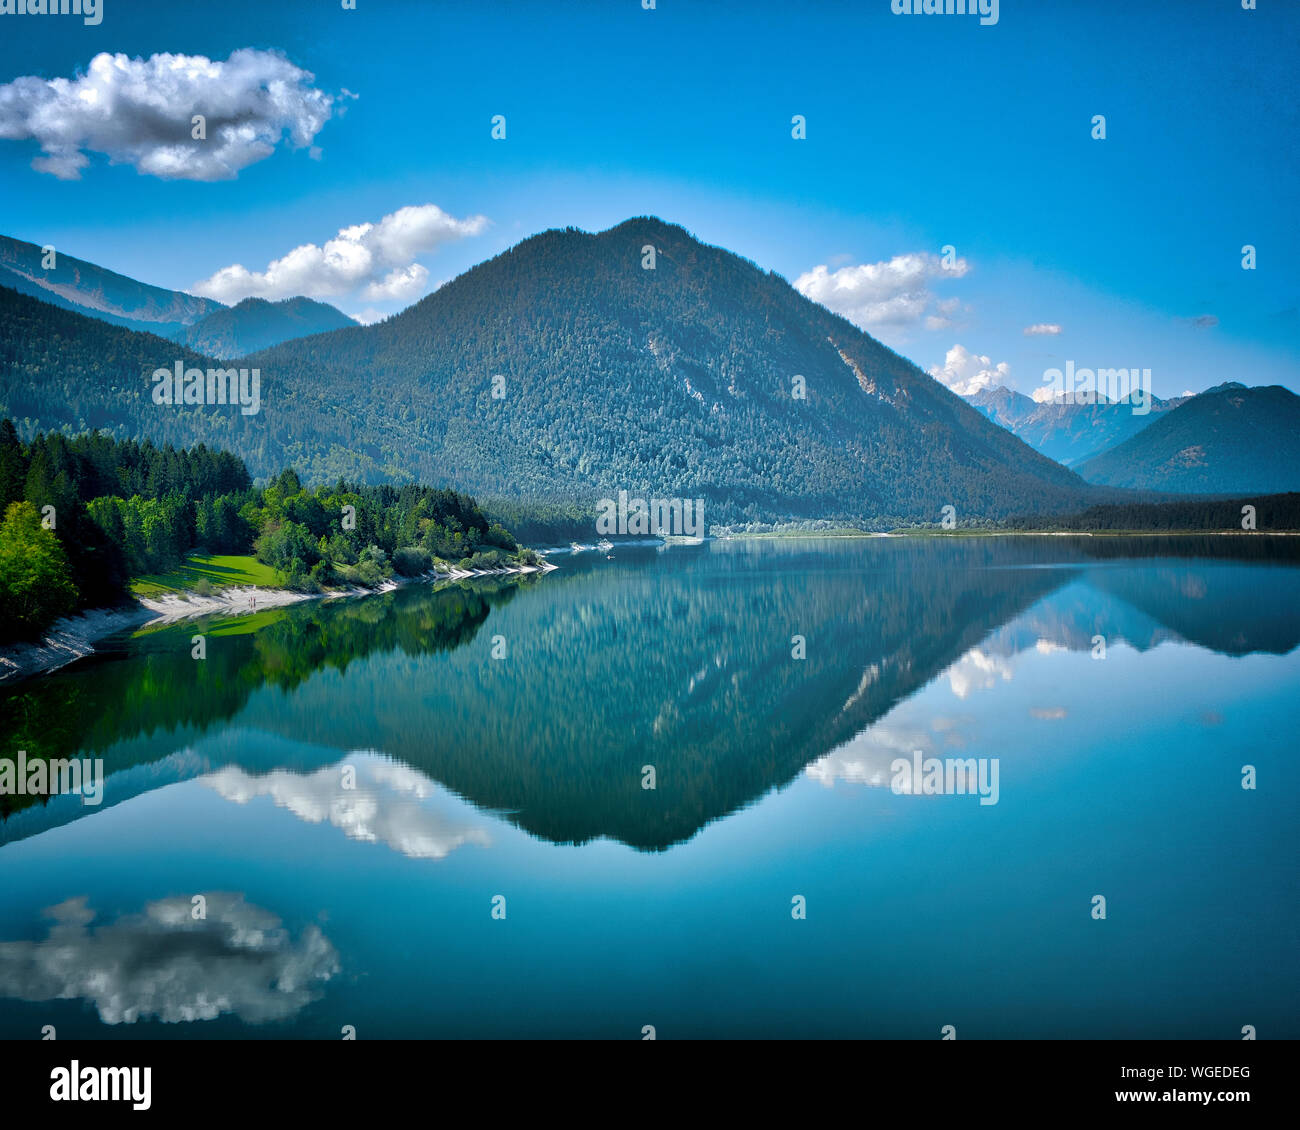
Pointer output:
x,y
932,533
74,637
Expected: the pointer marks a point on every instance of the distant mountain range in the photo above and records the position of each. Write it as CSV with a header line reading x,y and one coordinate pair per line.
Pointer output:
x,y
563,371
1228,440
200,323
1068,433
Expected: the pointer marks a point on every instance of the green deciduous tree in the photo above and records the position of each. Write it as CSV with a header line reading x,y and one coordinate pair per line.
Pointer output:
x,y
36,585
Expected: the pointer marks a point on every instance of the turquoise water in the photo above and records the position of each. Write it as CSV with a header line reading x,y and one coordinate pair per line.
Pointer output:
x,y
498,737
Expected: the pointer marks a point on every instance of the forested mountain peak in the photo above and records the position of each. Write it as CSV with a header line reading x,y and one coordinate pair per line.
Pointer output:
x,y
258,323
575,365
640,358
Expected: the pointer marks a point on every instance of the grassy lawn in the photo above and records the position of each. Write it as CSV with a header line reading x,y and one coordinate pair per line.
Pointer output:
x,y
219,571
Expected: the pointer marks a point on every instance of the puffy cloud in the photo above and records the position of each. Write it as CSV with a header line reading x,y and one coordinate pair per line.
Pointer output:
x,y
377,257
892,293
1042,329
967,373
399,284
164,963
139,112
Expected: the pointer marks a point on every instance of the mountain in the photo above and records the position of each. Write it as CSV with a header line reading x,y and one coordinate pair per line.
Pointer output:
x,y
1068,433
201,323
1228,440
682,381
88,289
256,324
1003,405
64,371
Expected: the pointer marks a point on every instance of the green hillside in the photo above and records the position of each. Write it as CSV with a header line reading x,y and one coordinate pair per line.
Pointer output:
x,y
1228,440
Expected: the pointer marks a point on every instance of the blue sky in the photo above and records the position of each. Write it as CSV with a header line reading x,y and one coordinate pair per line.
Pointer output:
x,y
922,132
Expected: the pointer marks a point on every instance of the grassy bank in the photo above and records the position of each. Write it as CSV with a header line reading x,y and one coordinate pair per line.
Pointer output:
x,y
204,573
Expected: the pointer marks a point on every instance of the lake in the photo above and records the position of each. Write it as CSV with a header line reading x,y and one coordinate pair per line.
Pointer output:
x,y
427,812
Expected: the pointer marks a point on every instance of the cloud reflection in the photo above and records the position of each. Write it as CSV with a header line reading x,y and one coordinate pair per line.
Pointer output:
x,y
165,964
977,671
865,759
391,804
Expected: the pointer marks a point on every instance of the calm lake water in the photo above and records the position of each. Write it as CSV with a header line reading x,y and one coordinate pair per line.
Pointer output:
x,y
497,738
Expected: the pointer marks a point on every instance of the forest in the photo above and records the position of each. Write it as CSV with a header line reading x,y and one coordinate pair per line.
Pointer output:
x,y
84,516
1267,513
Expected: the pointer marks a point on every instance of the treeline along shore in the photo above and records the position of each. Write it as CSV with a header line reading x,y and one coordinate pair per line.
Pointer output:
x,y
89,520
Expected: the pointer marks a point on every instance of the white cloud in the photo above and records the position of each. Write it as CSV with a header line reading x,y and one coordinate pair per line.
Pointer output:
x,y
967,373
893,293
1042,329
401,283
380,258
139,112
369,316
